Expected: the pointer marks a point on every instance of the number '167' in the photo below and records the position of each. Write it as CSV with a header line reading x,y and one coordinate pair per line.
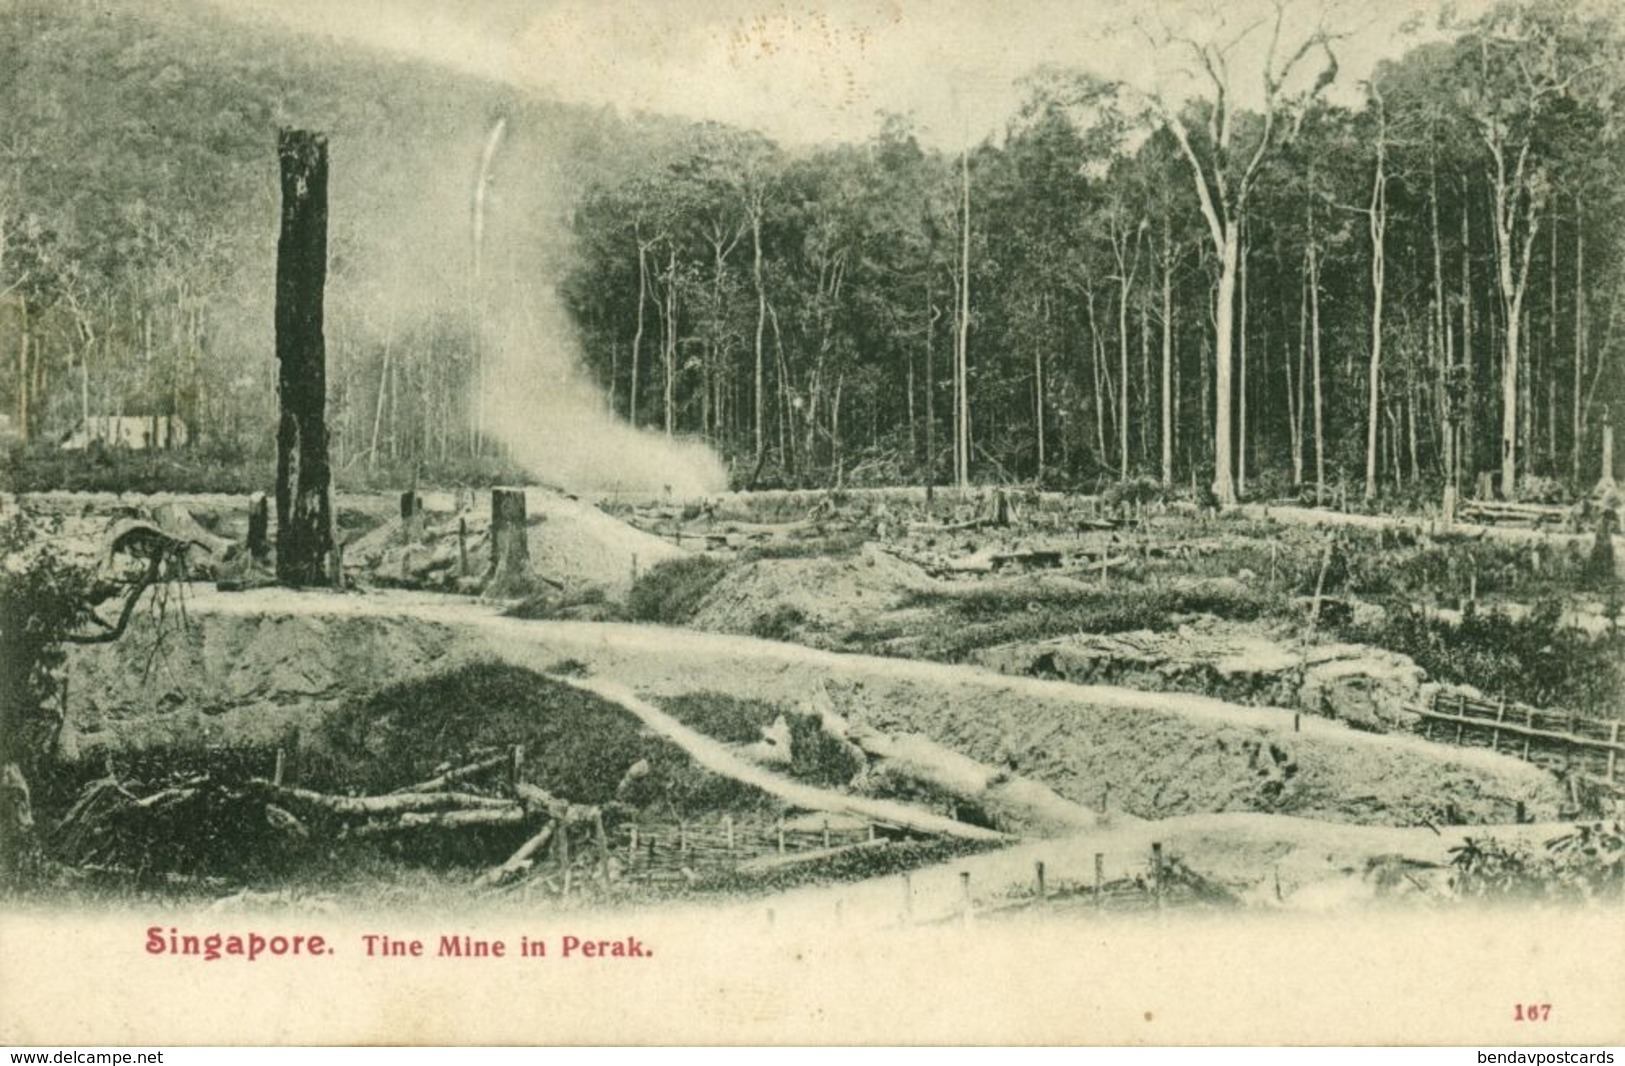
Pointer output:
x,y
1531,1012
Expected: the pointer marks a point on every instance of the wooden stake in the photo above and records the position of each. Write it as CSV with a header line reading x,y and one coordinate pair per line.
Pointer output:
x,y
564,856
1043,891
516,760
462,546
603,845
826,832
1156,870
1100,877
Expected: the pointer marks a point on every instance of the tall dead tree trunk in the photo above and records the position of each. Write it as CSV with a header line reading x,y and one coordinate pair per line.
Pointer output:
x,y
304,490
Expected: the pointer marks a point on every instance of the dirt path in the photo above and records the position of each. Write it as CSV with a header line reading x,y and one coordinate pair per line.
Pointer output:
x,y
717,758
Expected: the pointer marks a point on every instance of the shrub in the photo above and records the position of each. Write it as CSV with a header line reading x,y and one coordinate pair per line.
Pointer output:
x,y
670,592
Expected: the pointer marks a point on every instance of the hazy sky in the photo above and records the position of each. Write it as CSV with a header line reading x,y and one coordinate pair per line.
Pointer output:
x,y
815,70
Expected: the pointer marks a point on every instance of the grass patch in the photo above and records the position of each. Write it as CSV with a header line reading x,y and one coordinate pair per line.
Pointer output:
x,y
576,744
987,616
670,592
1534,660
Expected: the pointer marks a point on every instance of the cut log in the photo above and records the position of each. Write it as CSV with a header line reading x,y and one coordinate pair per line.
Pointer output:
x,y
514,815
375,806
451,777
178,522
519,861
1012,802
718,759
538,801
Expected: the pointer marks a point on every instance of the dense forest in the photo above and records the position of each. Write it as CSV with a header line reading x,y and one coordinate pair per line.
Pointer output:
x,y
1300,298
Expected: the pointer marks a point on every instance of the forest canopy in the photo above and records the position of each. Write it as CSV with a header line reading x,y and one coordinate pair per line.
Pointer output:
x,y
1375,297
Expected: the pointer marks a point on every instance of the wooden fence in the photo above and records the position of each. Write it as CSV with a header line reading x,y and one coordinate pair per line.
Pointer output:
x,y
1585,748
677,850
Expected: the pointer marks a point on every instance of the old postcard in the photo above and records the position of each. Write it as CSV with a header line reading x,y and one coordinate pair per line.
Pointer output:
x,y
836,522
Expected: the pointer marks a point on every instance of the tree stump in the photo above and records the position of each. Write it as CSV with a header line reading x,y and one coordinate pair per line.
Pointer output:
x,y
510,549
259,527
412,516
304,479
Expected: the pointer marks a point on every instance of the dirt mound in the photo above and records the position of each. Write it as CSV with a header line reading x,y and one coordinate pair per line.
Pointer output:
x,y
1158,754
575,744
817,599
1369,688
571,542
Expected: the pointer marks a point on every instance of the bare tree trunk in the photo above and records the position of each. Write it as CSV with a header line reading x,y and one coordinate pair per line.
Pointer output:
x,y
1314,349
304,489
637,336
1038,389
670,398
1241,340
759,394
1469,415
962,473
1578,429
931,315
1377,220
1167,352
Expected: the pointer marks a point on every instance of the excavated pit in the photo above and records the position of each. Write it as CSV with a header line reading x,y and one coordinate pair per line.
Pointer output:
x,y
253,667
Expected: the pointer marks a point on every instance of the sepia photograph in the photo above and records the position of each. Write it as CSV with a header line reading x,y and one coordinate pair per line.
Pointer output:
x,y
818,522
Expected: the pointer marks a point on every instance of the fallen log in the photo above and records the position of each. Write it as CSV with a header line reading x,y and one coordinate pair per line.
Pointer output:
x,y
1011,801
717,758
520,860
512,815
374,806
537,800
451,777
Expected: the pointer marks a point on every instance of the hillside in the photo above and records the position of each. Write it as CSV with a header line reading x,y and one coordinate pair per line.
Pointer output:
x,y
138,203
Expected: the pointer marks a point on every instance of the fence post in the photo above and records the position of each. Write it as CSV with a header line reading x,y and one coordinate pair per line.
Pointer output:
x,y
908,899
781,836
1528,723
564,855
826,832
632,848
1495,734
1100,877
516,760
1043,893
964,895
603,846
276,774
728,830
1156,871
682,838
